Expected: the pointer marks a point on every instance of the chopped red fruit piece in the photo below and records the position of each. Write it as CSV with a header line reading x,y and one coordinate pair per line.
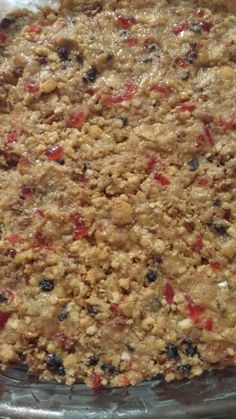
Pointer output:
x,y
200,13
80,232
4,316
132,41
24,163
11,252
3,37
202,182
90,91
204,139
169,292
41,241
35,29
151,163
65,342
206,25
126,93
80,229
14,238
228,122
227,214
195,310
125,382
181,62
31,87
26,192
208,324
114,308
187,106
77,119
11,137
40,213
10,294
125,22
162,179
215,265
48,10
54,152
198,245
96,381
177,29
160,88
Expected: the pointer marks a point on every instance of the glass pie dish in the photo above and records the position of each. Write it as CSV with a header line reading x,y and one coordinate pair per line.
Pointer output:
x,y
212,395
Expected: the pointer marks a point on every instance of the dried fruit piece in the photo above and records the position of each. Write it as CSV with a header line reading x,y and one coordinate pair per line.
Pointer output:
x,y
46,285
80,229
77,119
169,292
4,316
54,364
125,22
162,179
195,310
172,351
208,324
125,94
54,152
34,29
160,88
177,29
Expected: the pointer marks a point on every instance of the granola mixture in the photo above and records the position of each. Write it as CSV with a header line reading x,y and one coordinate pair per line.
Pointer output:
x,y
117,177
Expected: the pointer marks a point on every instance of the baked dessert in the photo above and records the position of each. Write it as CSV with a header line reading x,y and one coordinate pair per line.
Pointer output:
x,y
117,174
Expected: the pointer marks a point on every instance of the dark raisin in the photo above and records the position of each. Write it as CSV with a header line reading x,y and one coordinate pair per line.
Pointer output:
x,y
3,298
218,228
108,369
11,253
151,47
86,165
172,351
193,164
5,22
43,60
93,310
12,160
63,53
63,314
90,75
204,261
184,369
191,57
189,348
151,275
108,271
54,364
147,60
61,162
46,285
93,360
157,259
124,120
217,202
79,58
92,9
185,76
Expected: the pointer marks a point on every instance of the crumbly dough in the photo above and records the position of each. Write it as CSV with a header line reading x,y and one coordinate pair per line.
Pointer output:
x,y
117,177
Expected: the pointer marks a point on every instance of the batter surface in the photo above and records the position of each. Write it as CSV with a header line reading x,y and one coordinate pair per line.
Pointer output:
x,y
117,178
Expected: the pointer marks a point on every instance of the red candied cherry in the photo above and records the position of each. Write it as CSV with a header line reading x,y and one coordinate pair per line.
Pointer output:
x,y
54,152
